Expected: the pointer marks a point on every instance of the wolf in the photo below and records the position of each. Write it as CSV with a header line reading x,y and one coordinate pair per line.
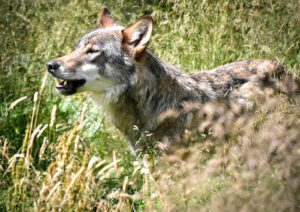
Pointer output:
x,y
135,89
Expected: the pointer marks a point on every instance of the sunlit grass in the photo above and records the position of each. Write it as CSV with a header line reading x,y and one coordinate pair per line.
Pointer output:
x,y
57,153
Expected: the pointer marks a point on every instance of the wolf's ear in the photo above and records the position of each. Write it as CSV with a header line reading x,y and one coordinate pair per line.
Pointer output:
x,y
105,19
137,36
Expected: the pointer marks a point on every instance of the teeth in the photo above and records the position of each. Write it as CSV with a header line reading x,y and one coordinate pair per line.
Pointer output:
x,y
62,82
58,81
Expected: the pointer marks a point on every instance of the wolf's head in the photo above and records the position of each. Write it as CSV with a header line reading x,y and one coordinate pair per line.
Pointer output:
x,y
104,59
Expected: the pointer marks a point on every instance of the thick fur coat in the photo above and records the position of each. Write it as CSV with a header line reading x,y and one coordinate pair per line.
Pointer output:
x,y
137,90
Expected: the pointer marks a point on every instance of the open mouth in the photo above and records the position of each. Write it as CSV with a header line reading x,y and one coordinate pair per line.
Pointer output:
x,y
68,87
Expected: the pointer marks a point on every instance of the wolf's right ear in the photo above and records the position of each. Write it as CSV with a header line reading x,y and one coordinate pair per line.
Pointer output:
x,y
105,19
137,36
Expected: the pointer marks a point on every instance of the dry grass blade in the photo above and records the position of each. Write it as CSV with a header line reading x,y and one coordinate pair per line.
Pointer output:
x,y
41,131
121,205
16,102
116,164
30,143
52,120
42,149
53,191
107,167
74,179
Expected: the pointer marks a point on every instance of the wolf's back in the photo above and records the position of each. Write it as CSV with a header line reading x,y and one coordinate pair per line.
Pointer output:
x,y
247,77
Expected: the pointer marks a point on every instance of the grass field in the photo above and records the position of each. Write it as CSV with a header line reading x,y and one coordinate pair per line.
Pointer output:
x,y
61,153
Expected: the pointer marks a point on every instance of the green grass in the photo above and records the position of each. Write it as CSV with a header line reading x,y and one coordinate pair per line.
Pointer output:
x,y
193,34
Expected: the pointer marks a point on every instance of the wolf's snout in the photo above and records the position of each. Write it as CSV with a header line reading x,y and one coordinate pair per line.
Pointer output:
x,y
52,66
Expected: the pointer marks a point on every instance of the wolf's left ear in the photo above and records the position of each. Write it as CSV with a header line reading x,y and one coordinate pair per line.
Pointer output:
x,y
137,36
105,19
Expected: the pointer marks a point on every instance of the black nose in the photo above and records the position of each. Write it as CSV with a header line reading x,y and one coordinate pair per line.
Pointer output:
x,y
52,65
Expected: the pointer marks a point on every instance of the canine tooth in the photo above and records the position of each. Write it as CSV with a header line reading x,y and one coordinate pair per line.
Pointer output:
x,y
59,81
64,82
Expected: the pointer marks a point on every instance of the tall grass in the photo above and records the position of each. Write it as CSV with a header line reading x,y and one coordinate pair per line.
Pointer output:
x,y
241,160
55,156
72,180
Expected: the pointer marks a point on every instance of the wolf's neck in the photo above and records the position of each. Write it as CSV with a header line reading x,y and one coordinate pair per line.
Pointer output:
x,y
158,89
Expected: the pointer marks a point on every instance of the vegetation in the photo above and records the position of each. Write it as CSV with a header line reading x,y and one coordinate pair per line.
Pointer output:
x,y
60,153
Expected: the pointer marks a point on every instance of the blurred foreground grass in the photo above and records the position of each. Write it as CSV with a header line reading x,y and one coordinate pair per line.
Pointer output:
x,y
48,163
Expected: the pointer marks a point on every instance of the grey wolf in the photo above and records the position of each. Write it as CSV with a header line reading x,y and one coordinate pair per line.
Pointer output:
x,y
135,89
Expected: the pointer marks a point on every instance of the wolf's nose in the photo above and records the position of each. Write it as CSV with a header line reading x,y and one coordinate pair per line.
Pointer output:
x,y
52,65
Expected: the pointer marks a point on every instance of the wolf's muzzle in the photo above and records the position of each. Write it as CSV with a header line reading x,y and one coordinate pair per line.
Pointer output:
x,y
63,86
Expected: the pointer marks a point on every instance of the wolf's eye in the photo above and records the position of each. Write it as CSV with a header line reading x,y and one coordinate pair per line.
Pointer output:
x,y
91,51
